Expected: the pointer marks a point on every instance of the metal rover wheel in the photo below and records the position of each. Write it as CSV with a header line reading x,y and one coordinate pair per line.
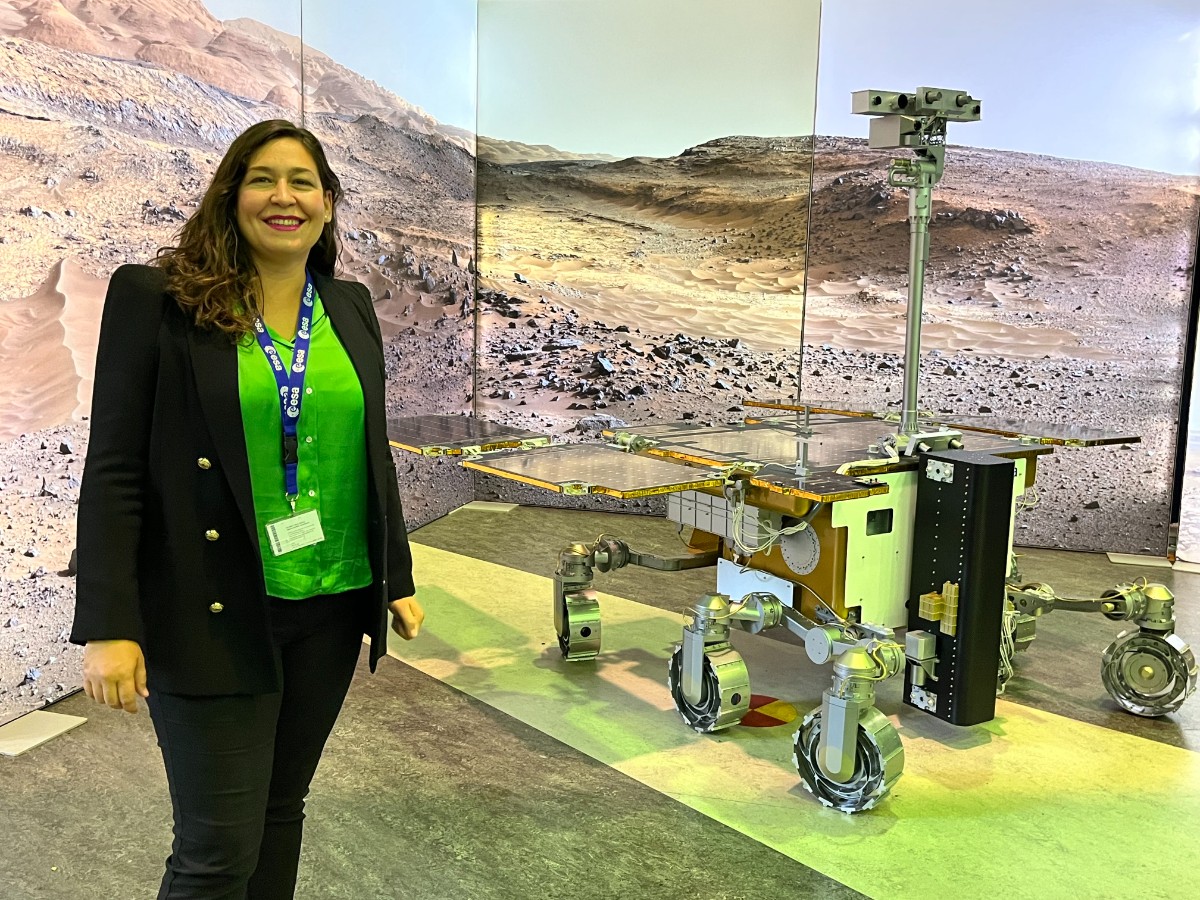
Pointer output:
x,y
878,762
724,693
1147,673
577,621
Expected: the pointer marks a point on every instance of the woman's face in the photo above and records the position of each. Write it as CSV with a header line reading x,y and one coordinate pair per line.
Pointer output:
x,y
281,205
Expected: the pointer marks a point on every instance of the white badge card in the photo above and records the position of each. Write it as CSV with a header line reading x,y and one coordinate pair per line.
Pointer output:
x,y
293,532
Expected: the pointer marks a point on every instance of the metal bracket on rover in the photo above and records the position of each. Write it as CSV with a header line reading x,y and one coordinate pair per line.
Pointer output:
x,y
820,520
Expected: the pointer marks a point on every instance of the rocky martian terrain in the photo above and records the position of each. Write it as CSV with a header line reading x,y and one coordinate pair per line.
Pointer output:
x,y
651,289
633,291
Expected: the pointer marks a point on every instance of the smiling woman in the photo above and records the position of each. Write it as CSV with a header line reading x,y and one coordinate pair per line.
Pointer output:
x,y
281,205
238,408
270,213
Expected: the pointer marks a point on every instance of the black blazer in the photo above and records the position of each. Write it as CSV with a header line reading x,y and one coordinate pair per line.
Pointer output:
x,y
167,538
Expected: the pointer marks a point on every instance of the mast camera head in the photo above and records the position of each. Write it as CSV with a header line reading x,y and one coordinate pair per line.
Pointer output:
x,y
952,105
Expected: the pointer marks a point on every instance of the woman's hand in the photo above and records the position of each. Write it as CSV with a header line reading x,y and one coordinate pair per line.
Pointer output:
x,y
407,617
114,672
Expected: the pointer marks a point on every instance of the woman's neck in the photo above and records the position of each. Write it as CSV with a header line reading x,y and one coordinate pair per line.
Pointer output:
x,y
280,297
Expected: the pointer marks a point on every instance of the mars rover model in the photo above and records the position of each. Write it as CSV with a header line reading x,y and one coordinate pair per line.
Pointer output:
x,y
844,526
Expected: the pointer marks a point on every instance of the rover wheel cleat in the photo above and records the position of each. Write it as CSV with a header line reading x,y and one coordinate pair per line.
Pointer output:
x,y
724,690
1147,673
878,762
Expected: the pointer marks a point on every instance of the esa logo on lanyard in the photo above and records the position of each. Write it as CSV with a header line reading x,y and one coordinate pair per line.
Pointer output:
x,y
300,529
293,404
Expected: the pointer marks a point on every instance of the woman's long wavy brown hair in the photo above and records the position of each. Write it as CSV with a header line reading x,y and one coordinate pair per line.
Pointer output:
x,y
210,272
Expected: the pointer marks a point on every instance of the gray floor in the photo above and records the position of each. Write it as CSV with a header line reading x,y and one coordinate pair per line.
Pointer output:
x,y
423,793
427,793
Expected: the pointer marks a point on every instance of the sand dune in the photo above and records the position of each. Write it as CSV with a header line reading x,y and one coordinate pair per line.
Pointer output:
x,y
761,301
952,323
402,309
885,334
762,276
48,351
769,321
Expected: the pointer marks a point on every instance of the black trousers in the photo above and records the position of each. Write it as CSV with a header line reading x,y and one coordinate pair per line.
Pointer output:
x,y
239,766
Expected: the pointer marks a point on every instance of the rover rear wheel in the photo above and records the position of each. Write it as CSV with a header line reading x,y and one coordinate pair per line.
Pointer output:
x,y
1149,674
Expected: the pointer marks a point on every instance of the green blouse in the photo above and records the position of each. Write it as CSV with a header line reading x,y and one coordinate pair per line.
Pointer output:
x,y
333,463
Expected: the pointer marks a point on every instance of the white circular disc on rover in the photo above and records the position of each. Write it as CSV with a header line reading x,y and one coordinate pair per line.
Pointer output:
x,y
801,551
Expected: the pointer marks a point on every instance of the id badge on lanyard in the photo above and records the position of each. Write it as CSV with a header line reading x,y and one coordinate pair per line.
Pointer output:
x,y
299,529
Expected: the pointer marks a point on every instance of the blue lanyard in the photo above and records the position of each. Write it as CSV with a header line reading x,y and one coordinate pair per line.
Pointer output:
x,y
291,384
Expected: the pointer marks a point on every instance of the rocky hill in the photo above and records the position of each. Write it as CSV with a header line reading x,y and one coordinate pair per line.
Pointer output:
x,y
243,57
